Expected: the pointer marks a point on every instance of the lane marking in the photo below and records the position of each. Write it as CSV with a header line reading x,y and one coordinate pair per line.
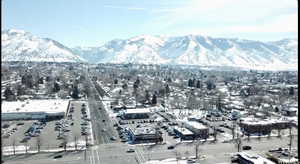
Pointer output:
x,y
97,153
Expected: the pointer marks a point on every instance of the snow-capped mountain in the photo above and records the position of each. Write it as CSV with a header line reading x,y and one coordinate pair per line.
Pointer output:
x,y
18,45
196,50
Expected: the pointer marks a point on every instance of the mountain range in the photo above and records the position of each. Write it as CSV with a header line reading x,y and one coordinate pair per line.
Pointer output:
x,y
196,50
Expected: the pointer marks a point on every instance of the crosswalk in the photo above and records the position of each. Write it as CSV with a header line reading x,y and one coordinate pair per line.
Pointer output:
x,y
94,157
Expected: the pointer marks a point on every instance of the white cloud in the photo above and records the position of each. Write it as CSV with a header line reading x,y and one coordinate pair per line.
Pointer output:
x,y
231,15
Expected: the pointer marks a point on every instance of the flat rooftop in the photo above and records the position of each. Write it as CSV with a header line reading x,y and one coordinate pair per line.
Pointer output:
x,y
255,158
47,106
255,121
147,130
196,125
183,131
137,110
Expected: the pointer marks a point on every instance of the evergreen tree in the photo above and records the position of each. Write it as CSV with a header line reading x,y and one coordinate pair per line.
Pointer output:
x,y
56,87
291,91
154,99
167,90
116,81
198,85
75,93
147,96
190,82
125,86
8,94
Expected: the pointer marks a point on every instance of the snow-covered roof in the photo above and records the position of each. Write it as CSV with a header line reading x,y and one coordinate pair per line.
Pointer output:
x,y
183,131
137,110
255,121
195,124
48,106
143,130
255,158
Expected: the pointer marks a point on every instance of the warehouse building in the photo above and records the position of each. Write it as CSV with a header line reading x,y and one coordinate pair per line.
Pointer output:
x,y
34,110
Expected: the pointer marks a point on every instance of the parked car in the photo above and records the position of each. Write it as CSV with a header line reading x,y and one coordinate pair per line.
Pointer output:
x,y
171,147
20,123
113,138
58,156
130,151
246,147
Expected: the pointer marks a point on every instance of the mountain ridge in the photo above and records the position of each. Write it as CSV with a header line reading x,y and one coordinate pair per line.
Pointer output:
x,y
191,49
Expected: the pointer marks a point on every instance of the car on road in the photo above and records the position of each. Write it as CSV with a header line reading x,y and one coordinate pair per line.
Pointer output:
x,y
20,123
191,161
123,140
113,138
103,130
171,147
247,147
220,130
58,156
130,151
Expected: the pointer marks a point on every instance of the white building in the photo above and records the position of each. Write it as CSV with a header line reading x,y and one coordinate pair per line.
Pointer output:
x,y
138,113
34,109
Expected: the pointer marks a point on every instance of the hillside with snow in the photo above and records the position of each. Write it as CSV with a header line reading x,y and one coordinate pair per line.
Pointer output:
x,y
18,45
197,50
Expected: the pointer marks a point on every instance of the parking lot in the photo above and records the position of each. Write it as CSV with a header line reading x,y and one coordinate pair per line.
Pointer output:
x,y
75,127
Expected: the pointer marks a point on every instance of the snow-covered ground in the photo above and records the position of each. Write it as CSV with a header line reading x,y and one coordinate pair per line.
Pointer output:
x,y
175,161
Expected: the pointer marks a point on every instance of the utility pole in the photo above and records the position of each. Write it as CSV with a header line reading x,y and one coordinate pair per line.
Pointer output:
x,y
291,139
239,142
233,129
197,148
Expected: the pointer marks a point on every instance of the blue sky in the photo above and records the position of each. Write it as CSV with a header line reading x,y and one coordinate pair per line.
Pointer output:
x,y
93,22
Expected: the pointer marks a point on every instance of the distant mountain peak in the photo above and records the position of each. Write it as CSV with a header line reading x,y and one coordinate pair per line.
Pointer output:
x,y
18,45
192,49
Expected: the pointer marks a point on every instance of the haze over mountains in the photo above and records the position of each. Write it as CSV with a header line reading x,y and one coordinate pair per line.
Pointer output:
x,y
184,50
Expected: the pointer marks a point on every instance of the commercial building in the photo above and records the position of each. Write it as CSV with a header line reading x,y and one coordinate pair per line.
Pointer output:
x,y
290,112
199,130
139,113
262,127
184,133
145,134
284,156
34,110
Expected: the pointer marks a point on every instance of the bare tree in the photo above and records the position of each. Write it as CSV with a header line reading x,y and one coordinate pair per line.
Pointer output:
x,y
38,143
238,142
26,145
279,132
177,154
215,134
197,150
233,129
65,141
14,146
75,141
